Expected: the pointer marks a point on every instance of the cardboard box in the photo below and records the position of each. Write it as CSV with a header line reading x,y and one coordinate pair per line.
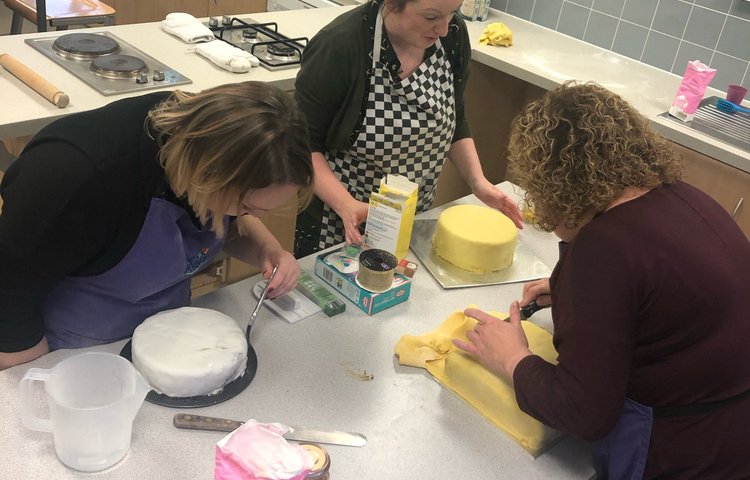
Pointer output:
x,y
390,216
369,302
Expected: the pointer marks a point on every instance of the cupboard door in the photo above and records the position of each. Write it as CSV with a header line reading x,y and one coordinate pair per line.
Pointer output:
x,y
727,185
224,271
196,8
209,279
235,7
492,99
129,11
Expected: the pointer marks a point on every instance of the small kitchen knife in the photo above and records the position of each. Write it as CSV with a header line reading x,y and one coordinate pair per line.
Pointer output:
x,y
528,310
297,434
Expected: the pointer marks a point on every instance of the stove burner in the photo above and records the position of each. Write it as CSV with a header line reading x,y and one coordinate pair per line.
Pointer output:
x,y
118,66
84,46
274,50
281,51
250,36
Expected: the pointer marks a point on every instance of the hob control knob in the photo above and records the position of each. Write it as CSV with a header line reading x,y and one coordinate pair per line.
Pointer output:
x,y
142,78
213,22
158,76
226,20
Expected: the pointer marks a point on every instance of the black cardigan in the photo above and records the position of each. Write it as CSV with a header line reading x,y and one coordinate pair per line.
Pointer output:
x,y
75,201
332,85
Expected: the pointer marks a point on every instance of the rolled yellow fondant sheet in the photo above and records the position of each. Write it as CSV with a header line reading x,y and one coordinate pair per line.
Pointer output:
x,y
491,396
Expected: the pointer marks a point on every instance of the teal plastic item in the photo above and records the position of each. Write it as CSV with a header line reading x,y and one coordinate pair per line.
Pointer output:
x,y
319,293
729,107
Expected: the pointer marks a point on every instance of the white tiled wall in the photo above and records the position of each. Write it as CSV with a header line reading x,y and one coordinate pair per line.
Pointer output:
x,y
663,33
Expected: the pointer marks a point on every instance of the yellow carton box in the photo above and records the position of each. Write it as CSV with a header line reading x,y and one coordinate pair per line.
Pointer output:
x,y
390,217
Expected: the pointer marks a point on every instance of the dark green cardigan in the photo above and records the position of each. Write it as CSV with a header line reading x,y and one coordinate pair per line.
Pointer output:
x,y
332,85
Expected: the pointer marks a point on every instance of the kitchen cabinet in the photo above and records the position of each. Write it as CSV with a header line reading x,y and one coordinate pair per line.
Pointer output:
x,y
235,7
727,185
226,270
128,11
492,100
197,8
140,11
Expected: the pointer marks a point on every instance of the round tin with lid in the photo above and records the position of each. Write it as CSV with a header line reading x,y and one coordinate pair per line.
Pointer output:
x,y
321,462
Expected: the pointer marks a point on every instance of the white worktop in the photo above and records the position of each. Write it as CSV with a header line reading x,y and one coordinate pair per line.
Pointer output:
x,y
539,56
308,375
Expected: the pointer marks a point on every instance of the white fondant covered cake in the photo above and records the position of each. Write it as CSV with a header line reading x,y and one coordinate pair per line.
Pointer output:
x,y
475,238
189,351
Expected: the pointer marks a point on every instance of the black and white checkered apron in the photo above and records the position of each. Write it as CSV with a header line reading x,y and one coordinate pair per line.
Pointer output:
x,y
407,130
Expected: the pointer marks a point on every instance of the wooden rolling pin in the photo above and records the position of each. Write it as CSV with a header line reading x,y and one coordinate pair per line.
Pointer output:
x,y
34,80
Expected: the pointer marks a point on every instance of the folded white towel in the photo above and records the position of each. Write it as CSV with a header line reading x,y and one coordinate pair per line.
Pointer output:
x,y
187,28
227,56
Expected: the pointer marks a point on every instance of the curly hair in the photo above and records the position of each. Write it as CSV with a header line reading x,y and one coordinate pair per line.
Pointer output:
x,y
219,144
577,148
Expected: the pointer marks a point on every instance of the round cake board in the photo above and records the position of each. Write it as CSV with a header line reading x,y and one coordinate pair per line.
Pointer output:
x,y
230,390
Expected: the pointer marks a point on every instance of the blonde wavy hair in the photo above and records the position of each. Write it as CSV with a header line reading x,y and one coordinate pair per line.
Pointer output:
x,y
578,147
218,145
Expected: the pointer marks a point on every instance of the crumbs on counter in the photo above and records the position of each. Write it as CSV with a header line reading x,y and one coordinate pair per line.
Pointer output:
x,y
362,376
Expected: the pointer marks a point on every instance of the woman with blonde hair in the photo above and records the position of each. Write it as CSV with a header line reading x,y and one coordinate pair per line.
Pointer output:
x,y
649,297
108,213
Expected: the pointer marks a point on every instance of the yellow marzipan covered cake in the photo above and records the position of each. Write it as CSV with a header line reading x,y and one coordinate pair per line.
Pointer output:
x,y
489,395
475,238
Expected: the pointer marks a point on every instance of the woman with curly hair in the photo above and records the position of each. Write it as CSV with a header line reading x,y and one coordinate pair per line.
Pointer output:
x,y
108,213
649,297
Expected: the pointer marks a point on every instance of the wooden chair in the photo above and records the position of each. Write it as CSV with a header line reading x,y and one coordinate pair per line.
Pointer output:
x,y
59,14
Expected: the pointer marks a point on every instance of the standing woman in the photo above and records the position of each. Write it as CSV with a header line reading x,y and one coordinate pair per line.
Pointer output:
x,y
649,297
108,213
382,90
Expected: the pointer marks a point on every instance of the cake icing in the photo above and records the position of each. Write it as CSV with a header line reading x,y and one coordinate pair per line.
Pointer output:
x,y
491,396
475,238
495,398
189,351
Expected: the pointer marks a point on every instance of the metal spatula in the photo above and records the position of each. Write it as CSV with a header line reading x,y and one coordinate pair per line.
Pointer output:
x,y
254,315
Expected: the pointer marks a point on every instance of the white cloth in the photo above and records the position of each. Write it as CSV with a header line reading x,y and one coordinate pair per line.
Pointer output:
x,y
187,28
227,56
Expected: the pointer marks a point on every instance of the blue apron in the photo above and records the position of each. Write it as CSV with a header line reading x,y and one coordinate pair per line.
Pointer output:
x,y
622,454
153,276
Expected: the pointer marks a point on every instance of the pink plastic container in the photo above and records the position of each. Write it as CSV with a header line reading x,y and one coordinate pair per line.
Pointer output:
x,y
736,93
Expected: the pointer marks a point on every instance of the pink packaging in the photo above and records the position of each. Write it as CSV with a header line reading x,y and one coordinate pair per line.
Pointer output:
x,y
258,451
694,83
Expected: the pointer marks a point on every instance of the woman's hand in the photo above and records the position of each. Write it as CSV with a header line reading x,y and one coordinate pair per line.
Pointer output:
x,y
498,344
286,275
463,154
258,247
334,194
497,199
539,290
352,213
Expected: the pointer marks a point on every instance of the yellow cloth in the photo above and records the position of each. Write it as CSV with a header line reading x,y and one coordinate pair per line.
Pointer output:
x,y
497,34
489,395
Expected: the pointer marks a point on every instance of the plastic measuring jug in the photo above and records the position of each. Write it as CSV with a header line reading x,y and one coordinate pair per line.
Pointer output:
x,y
93,398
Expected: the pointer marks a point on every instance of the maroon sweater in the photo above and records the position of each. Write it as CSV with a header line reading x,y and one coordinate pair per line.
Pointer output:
x,y
651,302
